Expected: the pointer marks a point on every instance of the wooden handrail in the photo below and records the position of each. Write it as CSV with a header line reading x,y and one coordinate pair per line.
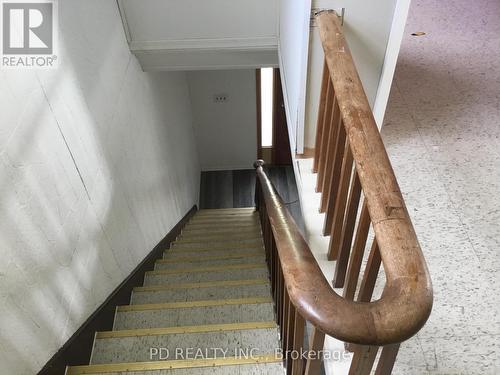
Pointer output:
x,y
398,315
406,301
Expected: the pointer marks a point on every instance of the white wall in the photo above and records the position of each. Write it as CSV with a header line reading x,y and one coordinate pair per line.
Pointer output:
x,y
293,42
373,31
97,164
226,133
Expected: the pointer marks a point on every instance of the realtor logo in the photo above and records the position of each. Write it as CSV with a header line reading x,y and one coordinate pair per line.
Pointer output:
x,y
28,34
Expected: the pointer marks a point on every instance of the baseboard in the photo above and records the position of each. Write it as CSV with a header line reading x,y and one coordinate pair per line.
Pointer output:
x,y
77,350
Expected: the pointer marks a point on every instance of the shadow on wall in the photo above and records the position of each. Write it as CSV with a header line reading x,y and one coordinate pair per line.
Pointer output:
x,y
97,163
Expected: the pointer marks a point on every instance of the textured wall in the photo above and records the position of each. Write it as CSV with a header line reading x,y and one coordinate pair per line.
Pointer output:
x,y
226,133
97,163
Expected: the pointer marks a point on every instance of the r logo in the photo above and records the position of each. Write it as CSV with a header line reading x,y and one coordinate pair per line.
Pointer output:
x,y
27,28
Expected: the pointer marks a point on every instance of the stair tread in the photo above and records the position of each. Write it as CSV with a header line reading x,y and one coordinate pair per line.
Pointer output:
x,y
191,262
224,272
220,238
186,329
214,283
156,316
182,259
228,247
265,364
188,304
135,345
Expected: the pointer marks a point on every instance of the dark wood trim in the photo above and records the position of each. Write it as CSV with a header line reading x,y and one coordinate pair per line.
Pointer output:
x,y
282,152
259,113
77,350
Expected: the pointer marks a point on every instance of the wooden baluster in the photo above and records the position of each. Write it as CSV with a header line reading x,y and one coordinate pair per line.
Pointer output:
x,y
330,154
298,344
282,298
271,258
368,282
387,359
290,336
279,300
321,116
316,344
284,321
339,212
324,139
274,276
370,275
363,359
333,185
347,232
265,236
358,250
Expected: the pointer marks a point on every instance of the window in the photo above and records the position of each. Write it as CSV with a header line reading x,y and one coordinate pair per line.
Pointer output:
x,y
266,106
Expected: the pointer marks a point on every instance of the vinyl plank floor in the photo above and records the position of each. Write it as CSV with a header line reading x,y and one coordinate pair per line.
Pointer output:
x,y
236,188
216,189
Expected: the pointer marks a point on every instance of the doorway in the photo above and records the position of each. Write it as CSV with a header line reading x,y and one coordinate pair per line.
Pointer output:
x,y
273,144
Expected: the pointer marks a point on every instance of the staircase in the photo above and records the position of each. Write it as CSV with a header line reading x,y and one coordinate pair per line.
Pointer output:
x,y
206,308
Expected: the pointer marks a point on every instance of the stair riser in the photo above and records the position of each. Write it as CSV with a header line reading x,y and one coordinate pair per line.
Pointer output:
x,y
217,218
209,263
204,232
224,221
197,294
226,217
218,237
195,277
138,349
191,252
260,312
226,210
257,242
216,224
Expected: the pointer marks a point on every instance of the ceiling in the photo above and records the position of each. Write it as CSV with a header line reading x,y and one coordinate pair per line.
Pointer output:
x,y
201,34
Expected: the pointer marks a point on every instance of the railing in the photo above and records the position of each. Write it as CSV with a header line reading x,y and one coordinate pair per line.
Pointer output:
x,y
352,163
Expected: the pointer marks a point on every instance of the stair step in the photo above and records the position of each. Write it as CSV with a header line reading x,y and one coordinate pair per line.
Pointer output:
x,y
216,224
224,245
230,243
220,237
227,211
261,365
209,261
224,235
197,291
224,221
200,274
209,252
242,310
135,345
220,230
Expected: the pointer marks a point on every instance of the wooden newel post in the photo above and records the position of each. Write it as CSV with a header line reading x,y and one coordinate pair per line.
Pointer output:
x,y
257,164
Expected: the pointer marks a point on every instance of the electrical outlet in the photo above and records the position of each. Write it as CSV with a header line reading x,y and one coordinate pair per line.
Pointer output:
x,y
220,98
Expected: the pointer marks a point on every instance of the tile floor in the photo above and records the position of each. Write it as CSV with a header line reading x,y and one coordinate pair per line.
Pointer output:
x,y
442,133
